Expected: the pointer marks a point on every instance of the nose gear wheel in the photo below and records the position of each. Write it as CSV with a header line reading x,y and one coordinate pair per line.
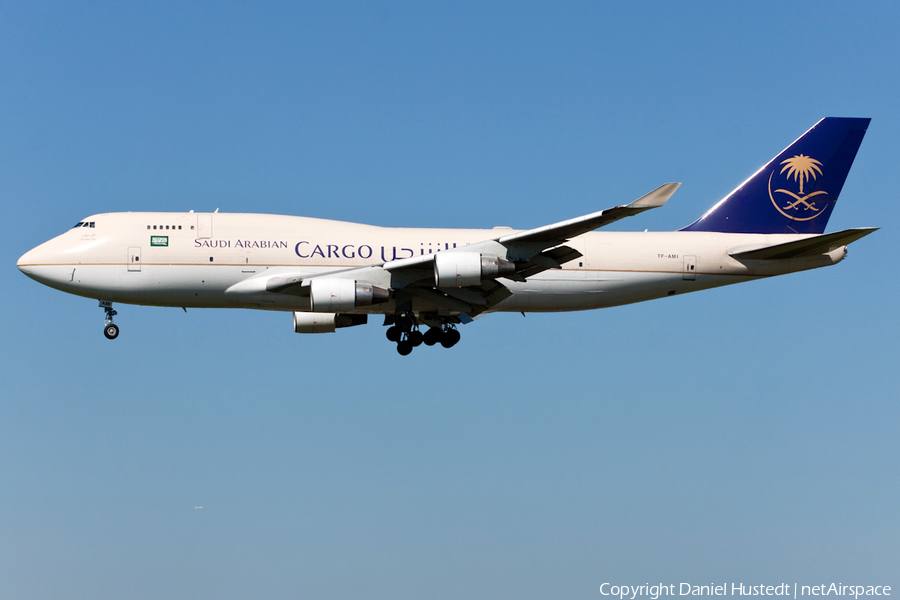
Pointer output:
x,y
110,329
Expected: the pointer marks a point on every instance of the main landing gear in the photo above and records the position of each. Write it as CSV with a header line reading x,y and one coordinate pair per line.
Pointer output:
x,y
110,329
405,333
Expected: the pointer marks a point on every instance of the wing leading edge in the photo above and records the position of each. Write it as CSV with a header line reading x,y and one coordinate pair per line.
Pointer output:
x,y
531,252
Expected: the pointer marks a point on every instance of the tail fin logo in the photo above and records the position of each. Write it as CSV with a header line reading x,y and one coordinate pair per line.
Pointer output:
x,y
794,204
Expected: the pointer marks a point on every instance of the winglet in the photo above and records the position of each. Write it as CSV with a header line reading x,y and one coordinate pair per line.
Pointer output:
x,y
657,197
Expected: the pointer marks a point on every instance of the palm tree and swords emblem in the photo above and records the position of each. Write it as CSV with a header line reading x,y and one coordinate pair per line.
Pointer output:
x,y
802,169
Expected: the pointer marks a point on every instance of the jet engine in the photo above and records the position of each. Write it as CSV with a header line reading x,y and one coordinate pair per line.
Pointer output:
x,y
331,294
462,269
307,322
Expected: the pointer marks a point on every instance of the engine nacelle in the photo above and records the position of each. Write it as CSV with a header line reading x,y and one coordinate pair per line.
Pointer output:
x,y
333,294
462,269
307,322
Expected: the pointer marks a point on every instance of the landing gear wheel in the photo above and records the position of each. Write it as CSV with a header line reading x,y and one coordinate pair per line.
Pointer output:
x,y
111,331
432,336
404,347
450,338
415,338
393,333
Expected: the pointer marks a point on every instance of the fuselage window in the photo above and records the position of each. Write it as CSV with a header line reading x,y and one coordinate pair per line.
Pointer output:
x,y
148,227
179,228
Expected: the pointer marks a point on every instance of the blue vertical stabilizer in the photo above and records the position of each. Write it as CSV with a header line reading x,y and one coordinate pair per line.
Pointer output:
x,y
796,191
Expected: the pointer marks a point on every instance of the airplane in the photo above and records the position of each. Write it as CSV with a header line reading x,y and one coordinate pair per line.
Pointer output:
x,y
333,274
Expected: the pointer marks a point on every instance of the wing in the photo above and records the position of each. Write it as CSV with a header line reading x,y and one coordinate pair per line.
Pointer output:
x,y
555,234
521,255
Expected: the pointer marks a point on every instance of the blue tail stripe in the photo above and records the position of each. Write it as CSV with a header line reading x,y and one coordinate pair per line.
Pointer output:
x,y
796,191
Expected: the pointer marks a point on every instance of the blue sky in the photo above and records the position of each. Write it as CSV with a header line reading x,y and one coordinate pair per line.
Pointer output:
x,y
741,434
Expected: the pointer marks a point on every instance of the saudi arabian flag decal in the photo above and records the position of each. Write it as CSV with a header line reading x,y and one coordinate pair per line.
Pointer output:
x,y
159,240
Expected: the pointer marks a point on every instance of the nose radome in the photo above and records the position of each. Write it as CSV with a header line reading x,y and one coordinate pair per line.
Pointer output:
x,y
32,261
42,264
25,262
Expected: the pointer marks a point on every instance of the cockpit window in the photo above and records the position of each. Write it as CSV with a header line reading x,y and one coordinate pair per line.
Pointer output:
x,y
79,224
92,224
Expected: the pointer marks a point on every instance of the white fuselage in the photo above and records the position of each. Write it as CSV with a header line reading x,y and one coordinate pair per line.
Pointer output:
x,y
223,260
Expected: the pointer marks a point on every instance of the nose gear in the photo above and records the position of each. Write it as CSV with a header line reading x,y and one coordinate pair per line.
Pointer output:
x,y
110,329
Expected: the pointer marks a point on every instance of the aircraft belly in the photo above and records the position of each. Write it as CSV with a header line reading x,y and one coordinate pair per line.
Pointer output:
x,y
60,277
603,289
161,285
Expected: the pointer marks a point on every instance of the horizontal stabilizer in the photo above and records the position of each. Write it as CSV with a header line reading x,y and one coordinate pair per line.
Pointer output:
x,y
820,244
